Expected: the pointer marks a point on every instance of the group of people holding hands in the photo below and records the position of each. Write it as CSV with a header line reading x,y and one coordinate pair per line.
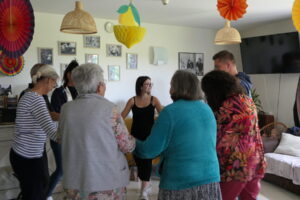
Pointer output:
x,y
209,145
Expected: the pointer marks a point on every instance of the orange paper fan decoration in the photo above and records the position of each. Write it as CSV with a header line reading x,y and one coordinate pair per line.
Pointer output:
x,y
232,9
296,14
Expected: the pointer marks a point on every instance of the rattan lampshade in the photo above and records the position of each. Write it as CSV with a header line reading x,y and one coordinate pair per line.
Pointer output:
x,y
78,21
227,35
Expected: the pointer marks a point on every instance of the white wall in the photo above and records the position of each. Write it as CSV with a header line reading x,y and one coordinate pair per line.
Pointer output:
x,y
174,39
277,91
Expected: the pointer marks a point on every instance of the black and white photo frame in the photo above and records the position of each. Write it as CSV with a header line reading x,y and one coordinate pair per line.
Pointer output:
x,y
191,61
45,56
91,41
113,50
67,48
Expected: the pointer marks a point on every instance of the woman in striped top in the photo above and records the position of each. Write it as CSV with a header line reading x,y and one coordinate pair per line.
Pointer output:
x,y
33,124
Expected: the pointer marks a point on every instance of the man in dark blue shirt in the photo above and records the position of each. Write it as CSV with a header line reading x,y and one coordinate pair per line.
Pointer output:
x,y
224,60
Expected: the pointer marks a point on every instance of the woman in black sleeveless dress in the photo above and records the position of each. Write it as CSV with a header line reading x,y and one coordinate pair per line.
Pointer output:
x,y
143,107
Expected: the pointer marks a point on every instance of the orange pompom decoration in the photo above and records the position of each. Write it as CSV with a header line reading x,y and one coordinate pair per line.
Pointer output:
x,y
232,9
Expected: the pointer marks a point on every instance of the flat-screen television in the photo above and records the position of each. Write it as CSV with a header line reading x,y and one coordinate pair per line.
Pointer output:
x,y
269,54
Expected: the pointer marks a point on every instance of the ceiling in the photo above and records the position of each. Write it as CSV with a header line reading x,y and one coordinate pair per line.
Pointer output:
x,y
191,13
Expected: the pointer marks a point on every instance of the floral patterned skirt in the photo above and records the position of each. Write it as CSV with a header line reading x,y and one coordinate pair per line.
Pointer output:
x,y
116,194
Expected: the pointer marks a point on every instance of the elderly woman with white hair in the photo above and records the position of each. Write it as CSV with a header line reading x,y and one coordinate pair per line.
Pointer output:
x,y
33,125
94,139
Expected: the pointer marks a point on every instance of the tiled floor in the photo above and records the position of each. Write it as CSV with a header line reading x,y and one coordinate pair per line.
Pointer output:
x,y
268,192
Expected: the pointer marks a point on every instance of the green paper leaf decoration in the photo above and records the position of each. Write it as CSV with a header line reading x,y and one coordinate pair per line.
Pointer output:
x,y
135,13
123,9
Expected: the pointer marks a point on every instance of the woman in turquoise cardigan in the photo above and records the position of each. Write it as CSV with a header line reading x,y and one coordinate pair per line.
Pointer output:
x,y
184,135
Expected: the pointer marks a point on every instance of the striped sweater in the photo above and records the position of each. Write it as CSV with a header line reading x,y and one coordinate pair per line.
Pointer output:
x,y
33,124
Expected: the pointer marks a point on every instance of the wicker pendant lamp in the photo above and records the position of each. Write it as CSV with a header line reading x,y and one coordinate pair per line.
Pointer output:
x,y
78,21
230,10
227,35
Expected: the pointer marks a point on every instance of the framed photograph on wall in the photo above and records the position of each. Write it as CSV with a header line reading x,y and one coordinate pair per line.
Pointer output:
x,y
91,41
92,58
113,50
113,72
192,61
131,60
45,55
63,67
67,48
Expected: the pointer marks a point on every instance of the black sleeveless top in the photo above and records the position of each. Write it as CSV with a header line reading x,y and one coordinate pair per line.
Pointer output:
x,y
142,120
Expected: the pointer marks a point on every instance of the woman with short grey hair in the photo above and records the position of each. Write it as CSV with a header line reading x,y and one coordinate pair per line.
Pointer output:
x,y
184,135
94,139
186,86
87,78
33,125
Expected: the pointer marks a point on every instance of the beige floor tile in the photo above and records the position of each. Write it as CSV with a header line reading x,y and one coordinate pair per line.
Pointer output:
x,y
268,192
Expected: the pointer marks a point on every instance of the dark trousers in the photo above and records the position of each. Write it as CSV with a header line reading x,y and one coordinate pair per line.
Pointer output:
x,y
57,174
32,174
144,168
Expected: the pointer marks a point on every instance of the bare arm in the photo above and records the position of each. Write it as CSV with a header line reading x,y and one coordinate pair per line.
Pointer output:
x,y
127,108
157,104
54,116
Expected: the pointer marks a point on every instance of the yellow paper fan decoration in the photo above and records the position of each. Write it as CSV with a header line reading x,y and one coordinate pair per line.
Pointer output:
x,y
296,14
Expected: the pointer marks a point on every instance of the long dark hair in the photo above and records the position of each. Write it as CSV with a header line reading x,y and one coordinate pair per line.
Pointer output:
x,y
139,83
70,68
218,86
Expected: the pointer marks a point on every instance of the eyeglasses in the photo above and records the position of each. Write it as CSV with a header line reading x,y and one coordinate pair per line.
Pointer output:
x,y
148,84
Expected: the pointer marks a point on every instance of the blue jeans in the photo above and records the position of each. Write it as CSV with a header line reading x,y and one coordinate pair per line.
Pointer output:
x,y
57,174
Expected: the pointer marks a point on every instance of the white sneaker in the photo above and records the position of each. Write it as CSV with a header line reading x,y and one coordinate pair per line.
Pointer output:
x,y
145,193
49,198
143,197
148,189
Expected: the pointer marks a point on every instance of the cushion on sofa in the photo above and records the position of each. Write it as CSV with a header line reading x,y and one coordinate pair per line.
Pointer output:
x,y
270,144
289,145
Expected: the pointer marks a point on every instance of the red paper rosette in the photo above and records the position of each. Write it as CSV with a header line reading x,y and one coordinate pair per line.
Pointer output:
x,y
11,66
232,9
16,26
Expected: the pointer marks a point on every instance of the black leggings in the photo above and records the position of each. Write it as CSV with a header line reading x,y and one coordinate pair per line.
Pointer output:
x,y
32,174
144,168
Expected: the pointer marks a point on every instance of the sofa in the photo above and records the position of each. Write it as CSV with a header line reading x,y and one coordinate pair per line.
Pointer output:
x,y
283,161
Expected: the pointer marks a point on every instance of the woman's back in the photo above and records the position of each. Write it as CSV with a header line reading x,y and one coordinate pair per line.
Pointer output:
x,y
239,144
187,131
89,145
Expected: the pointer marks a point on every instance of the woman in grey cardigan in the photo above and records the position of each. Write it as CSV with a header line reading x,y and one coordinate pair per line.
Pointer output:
x,y
94,139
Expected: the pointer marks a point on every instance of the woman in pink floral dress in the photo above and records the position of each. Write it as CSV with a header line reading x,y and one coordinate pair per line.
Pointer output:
x,y
239,144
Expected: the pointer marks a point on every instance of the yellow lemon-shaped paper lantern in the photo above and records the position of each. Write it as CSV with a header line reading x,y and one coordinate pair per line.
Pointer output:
x,y
127,18
296,15
129,32
129,35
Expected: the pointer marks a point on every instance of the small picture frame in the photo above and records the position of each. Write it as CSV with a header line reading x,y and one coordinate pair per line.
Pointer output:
x,y
191,61
45,56
63,67
91,41
131,61
67,48
113,72
113,50
92,58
